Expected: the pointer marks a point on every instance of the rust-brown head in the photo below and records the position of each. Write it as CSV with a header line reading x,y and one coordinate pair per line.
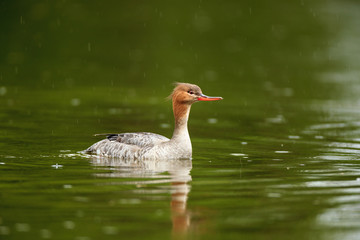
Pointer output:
x,y
186,93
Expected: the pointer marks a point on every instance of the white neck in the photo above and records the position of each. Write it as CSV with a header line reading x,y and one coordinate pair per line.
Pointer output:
x,y
181,114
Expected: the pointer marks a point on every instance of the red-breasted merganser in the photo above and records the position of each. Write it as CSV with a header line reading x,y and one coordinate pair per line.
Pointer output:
x,y
145,145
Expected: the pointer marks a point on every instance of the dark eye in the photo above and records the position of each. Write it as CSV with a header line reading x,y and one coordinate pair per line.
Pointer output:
x,y
190,92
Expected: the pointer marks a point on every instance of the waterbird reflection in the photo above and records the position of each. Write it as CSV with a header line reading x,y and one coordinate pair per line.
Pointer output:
x,y
179,177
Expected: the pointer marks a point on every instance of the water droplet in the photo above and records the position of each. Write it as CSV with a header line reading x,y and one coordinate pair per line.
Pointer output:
x,y
80,214
65,150
22,227
110,230
237,154
4,230
293,137
277,120
45,233
3,91
56,166
282,152
75,102
274,195
69,225
202,23
212,120
165,125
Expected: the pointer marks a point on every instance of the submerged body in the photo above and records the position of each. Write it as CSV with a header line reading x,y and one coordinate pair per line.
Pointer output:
x,y
144,145
141,145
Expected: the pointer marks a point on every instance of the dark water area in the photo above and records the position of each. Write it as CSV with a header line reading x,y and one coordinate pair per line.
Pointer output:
x,y
276,159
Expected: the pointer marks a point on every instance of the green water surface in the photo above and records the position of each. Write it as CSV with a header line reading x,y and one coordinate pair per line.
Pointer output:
x,y
276,159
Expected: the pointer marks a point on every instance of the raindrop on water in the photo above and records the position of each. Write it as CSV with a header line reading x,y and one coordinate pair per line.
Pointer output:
x,y
69,225
4,230
282,151
56,166
22,227
212,120
293,137
3,91
75,102
110,230
45,233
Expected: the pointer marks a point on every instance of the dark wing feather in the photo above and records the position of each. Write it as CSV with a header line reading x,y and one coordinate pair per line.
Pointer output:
x,y
140,139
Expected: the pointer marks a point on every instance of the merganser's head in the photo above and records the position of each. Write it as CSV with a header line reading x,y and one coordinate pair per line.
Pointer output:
x,y
186,93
